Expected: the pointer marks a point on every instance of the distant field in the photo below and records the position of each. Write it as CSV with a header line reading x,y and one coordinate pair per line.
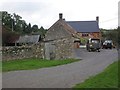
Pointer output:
x,y
28,64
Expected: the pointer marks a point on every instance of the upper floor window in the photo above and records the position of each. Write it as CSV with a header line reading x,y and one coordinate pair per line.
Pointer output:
x,y
85,34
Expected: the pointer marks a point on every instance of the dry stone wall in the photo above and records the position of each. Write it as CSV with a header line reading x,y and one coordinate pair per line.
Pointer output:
x,y
20,52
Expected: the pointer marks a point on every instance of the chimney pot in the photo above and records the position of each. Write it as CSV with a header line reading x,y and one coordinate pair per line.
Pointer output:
x,y
97,19
60,15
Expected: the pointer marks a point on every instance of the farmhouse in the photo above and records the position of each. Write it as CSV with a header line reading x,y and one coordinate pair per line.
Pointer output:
x,y
64,36
86,29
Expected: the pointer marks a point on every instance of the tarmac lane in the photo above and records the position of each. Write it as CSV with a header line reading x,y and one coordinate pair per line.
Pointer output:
x,y
64,76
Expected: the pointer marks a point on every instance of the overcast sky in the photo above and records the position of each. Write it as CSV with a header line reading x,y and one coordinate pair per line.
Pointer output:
x,y
46,12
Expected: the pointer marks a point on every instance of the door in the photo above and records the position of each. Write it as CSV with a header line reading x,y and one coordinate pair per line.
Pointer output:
x,y
50,51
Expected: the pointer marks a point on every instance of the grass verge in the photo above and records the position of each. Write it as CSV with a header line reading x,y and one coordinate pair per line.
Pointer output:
x,y
28,64
107,79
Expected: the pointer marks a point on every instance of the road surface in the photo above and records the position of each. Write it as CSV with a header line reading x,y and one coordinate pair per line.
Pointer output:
x,y
64,76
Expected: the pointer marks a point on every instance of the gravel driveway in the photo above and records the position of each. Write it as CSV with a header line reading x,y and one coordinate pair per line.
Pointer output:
x,y
64,76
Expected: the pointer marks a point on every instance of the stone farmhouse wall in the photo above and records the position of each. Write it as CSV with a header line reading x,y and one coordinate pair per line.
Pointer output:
x,y
21,52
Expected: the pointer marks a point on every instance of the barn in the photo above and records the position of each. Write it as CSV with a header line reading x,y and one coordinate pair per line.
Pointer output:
x,y
59,40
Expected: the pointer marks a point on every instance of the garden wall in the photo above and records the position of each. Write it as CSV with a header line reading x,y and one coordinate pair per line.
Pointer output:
x,y
20,52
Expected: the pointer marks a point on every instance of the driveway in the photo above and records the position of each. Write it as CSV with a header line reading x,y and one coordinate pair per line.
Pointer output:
x,y
64,76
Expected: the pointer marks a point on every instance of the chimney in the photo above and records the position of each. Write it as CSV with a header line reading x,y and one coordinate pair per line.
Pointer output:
x,y
60,15
97,19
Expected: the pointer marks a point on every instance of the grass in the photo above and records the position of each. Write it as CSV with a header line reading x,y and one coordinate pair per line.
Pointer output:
x,y
107,79
29,64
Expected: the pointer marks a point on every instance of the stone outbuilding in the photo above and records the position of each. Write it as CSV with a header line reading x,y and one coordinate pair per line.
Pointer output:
x,y
59,40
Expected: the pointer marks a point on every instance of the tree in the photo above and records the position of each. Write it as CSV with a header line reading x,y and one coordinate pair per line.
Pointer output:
x,y
42,32
28,29
34,28
110,34
7,19
118,36
13,22
17,23
24,26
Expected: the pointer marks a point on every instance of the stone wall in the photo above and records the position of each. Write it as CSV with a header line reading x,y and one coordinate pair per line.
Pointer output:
x,y
60,49
20,52
64,48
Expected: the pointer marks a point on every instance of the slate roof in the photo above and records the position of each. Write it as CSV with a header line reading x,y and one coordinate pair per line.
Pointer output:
x,y
84,26
29,39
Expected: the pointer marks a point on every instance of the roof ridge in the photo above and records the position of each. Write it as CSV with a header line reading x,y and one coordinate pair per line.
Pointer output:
x,y
83,21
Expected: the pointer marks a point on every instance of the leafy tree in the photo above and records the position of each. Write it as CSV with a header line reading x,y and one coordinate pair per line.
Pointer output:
x,y
6,19
110,34
118,36
24,26
28,29
43,31
15,24
34,28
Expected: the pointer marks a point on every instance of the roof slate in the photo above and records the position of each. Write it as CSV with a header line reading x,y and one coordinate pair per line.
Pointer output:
x,y
84,26
29,39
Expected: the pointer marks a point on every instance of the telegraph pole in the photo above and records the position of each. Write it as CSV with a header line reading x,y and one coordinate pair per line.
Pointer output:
x,y
12,23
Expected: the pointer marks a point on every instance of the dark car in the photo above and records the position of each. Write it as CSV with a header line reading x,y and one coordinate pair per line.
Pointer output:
x,y
107,44
93,45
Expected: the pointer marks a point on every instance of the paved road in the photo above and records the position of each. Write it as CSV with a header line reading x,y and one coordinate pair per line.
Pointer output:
x,y
65,76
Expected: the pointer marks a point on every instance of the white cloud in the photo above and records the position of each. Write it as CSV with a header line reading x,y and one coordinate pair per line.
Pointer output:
x,y
45,12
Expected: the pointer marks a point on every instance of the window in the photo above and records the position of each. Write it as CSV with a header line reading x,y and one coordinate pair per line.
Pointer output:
x,y
85,34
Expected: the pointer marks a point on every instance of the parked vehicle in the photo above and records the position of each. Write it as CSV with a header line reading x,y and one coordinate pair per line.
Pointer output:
x,y
107,44
93,45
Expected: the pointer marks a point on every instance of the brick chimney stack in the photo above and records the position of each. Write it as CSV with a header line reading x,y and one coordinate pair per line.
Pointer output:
x,y
97,19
